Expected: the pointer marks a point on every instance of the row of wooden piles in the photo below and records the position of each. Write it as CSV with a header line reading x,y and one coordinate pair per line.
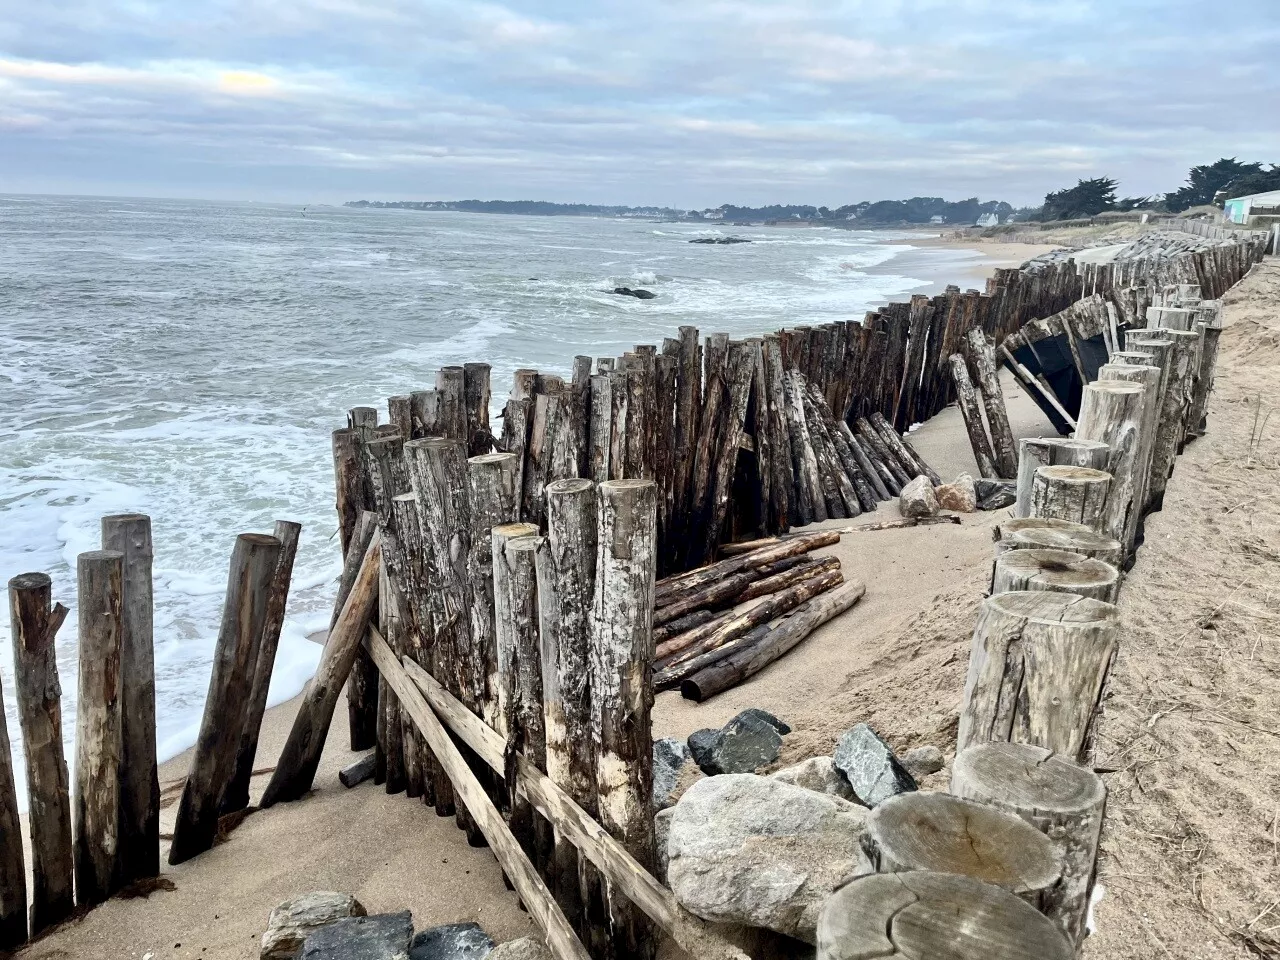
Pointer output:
x,y
1044,641
94,837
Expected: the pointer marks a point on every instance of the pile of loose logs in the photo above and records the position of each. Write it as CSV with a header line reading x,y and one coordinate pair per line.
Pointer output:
x,y
720,624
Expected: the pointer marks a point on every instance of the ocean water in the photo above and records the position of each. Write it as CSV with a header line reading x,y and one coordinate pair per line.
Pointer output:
x,y
188,360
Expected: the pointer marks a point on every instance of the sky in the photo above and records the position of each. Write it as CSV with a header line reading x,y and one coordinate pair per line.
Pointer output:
x,y
688,104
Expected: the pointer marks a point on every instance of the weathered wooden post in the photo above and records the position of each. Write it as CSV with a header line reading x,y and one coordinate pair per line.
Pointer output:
x,y
1114,412
1036,670
352,499
493,501
1196,416
967,400
451,386
601,426
621,687
1037,452
1078,494
566,570
810,502
982,360
96,804
35,624
13,866
296,769
1147,377
1174,352
1062,800
476,398
244,614
1058,570
130,535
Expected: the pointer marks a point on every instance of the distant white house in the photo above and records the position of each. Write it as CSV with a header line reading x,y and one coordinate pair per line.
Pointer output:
x,y
937,218
1241,209
714,214
988,220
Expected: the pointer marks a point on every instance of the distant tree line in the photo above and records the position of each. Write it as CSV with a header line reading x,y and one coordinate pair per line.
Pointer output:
x,y
1213,183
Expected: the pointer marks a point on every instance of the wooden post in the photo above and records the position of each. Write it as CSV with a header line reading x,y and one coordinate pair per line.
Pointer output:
x,y
924,915
13,866
96,805
967,400
566,572
296,769
601,427
782,484
810,500
890,470
493,501
982,360
1059,570
353,497
392,768
737,383
1148,378
1043,533
139,839
1113,412
936,831
1175,359
1077,494
34,625
621,688
476,399
1037,452
1060,799
1204,381
903,451
451,385
1036,670
400,413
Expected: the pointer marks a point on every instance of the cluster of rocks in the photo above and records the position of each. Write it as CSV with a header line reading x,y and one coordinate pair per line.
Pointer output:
x,y
720,240
920,498
324,925
742,848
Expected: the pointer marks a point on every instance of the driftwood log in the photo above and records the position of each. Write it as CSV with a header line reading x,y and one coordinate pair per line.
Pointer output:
x,y
704,576
35,622
1062,800
1060,571
1037,452
1037,666
96,804
1078,494
934,916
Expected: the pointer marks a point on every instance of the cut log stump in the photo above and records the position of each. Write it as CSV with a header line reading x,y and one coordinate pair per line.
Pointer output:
x,y
1078,494
1057,570
1037,452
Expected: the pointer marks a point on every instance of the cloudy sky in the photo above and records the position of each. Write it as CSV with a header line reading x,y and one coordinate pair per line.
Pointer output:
x,y
691,103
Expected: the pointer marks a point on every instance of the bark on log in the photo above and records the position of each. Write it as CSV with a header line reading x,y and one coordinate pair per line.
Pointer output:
x,y
863,490
773,643
13,866
891,472
35,624
476,399
296,769
788,578
96,804
1060,799
933,916
864,462
566,571
1077,494
679,626
810,500
936,831
451,386
621,687
967,400
1036,671
139,838
1113,412
982,360
237,793
704,576
1037,452
1058,570
782,471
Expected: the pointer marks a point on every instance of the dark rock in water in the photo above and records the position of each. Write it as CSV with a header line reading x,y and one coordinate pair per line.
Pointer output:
x,y
638,294
780,725
744,745
670,757
384,936
871,767
357,773
452,941
721,240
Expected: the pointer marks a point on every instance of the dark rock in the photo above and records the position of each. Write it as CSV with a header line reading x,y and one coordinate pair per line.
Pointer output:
x,y
998,500
294,920
721,240
780,725
638,294
744,745
356,773
870,766
452,941
672,763
384,936
996,494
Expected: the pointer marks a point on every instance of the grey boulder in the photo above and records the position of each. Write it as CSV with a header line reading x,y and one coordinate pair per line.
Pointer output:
x,y
384,936
922,761
451,941
871,768
526,948
743,745
819,774
292,921
661,834
757,851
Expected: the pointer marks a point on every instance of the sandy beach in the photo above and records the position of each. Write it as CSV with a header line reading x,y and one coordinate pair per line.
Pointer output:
x,y
1188,733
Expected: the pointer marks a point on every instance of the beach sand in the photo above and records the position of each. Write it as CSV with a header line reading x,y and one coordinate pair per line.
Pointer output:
x,y
975,260
1190,724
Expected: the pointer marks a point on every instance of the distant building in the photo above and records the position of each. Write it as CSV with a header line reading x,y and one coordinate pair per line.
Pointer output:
x,y
988,220
937,218
1241,209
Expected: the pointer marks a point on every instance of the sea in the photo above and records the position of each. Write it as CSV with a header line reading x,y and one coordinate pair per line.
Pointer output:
x,y
189,359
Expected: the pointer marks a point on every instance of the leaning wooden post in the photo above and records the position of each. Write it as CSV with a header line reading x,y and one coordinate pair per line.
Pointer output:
x,y
1078,494
1059,570
1037,666
621,684
237,794
1059,798
566,571
130,535
296,769
967,400
982,359
96,805
244,613
13,865
35,623
1037,452
362,688
1113,412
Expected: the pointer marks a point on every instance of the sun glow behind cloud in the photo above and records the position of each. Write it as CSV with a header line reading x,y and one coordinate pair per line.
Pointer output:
x,y
649,101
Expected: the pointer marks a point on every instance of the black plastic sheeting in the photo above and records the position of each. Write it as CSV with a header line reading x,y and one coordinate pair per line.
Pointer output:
x,y
1051,357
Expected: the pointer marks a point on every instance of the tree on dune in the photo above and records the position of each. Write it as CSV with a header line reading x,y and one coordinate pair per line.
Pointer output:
x,y
1087,198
